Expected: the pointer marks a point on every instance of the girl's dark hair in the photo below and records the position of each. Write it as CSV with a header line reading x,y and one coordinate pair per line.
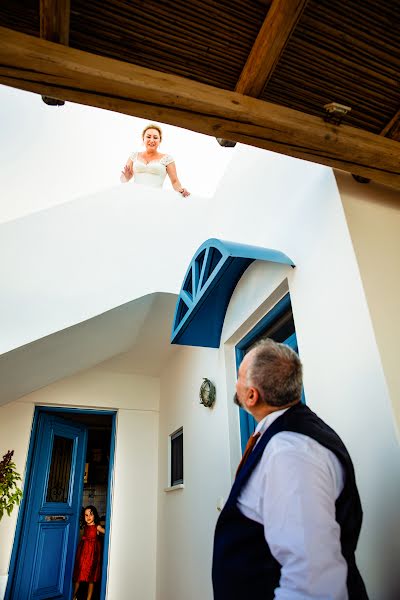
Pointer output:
x,y
94,511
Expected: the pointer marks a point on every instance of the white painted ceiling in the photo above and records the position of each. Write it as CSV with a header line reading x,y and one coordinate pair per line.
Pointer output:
x,y
132,338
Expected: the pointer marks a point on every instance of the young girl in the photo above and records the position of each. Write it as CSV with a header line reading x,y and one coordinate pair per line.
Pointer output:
x,y
87,561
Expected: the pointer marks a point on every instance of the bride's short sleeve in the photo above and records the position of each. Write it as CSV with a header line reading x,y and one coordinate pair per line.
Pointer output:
x,y
133,156
167,160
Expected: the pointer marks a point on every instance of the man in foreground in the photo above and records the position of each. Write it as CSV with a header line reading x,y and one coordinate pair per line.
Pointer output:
x,y
290,526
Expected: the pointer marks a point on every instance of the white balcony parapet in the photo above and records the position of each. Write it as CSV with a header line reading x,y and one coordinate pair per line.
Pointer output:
x,y
66,264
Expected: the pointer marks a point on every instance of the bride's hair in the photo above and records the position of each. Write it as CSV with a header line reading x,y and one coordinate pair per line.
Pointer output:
x,y
152,126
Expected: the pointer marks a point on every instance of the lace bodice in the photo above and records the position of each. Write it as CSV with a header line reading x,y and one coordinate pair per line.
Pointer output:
x,y
152,173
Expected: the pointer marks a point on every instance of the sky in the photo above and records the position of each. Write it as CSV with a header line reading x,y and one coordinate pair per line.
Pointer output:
x,y
50,155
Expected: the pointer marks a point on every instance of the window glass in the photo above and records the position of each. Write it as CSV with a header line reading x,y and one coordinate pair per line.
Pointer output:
x,y
60,470
177,457
279,330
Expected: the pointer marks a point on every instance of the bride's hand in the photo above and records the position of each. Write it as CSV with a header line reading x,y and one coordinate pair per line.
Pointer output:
x,y
184,192
127,172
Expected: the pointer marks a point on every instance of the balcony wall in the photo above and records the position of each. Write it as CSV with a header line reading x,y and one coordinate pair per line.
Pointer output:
x,y
64,265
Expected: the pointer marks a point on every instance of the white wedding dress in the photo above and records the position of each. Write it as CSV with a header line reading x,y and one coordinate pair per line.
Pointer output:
x,y
152,173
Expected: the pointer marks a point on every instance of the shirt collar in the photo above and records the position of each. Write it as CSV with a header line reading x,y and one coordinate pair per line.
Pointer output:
x,y
263,425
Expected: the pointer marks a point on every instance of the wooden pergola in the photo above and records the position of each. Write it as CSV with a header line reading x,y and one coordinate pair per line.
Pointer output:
x,y
259,72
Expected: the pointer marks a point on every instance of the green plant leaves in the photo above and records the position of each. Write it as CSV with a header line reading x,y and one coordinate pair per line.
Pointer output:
x,y
10,493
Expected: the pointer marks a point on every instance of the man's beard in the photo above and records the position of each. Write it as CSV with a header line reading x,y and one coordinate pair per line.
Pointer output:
x,y
236,400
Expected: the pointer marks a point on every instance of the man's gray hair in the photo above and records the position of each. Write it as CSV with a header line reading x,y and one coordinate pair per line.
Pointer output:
x,y
275,370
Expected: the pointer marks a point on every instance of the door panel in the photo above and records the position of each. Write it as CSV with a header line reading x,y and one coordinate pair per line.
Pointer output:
x,y
48,574
52,510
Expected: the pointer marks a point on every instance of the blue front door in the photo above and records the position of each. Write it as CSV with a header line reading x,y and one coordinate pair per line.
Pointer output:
x,y
52,509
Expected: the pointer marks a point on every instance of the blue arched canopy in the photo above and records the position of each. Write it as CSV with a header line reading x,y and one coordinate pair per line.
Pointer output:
x,y
212,275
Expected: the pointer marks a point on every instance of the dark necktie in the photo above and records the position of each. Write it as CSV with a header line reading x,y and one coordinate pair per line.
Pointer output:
x,y
251,442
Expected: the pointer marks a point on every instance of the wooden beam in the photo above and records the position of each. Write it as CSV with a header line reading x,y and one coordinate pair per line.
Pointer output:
x,y
36,65
392,129
54,27
272,38
54,20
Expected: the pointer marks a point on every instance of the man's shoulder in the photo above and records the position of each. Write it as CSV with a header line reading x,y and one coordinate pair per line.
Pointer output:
x,y
292,441
298,447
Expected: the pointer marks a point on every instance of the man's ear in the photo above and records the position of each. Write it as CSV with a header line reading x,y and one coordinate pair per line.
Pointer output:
x,y
252,397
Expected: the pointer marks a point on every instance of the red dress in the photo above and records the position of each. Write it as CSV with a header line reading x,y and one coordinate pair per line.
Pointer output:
x,y
87,561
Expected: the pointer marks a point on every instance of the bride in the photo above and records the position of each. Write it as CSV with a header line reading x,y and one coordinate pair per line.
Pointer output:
x,y
151,167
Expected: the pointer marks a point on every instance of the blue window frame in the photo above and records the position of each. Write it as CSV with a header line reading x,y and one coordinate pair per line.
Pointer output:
x,y
278,324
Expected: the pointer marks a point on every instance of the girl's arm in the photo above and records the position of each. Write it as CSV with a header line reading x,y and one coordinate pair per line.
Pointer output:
x,y
100,529
127,173
176,184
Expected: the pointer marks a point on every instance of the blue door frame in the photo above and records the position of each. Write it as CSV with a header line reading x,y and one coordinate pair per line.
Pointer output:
x,y
247,422
24,508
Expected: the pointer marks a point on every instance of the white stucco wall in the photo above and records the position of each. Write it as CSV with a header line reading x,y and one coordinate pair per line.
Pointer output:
x,y
132,549
132,553
187,516
294,207
373,217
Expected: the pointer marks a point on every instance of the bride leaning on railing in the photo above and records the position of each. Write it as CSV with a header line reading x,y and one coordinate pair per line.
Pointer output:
x,y
151,166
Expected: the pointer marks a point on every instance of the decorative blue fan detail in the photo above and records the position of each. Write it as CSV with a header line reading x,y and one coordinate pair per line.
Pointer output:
x,y
208,285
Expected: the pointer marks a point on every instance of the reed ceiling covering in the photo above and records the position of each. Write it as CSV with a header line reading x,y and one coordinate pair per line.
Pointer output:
x,y
288,54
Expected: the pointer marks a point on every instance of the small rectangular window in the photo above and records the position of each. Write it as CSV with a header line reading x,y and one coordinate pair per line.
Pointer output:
x,y
177,457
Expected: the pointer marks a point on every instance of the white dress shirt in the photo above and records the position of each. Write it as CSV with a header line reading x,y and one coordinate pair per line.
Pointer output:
x,y
292,493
